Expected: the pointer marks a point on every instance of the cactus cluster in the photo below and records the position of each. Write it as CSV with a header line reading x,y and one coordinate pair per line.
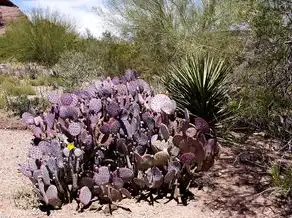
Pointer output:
x,y
112,140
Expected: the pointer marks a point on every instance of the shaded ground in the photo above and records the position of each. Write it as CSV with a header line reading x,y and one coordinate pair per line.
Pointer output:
x,y
236,187
240,185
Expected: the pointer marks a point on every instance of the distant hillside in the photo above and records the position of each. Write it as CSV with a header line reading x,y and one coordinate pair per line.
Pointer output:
x,y
8,12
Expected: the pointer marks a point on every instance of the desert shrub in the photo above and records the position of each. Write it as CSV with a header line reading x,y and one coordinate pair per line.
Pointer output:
x,y
115,139
40,81
259,105
14,86
41,39
264,93
262,109
20,104
18,93
45,80
22,89
8,79
116,54
74,68
163,32
199,83
2,101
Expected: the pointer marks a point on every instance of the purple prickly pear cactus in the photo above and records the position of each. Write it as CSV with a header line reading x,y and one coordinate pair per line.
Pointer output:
x,y
112,139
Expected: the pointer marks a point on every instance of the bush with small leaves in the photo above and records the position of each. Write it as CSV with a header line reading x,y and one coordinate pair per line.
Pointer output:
x,y
20,104
74,68
115,139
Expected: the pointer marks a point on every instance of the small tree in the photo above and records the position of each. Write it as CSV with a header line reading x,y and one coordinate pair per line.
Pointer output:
x,y
41,38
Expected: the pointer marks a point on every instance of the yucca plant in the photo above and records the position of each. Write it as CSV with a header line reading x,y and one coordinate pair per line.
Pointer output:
x,y
199,83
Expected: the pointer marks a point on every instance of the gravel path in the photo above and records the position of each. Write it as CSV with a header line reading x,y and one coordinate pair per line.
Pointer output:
x,y
16,198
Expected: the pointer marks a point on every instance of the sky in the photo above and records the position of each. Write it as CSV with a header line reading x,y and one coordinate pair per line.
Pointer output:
x,y
80,11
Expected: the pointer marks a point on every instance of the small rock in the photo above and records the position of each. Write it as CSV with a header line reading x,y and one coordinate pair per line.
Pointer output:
x,y
106,210
263,134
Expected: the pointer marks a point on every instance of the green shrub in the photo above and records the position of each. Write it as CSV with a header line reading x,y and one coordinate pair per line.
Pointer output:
x,y
41,39
2,101
8,79
198,83
264,78
74,68
13,86
39,81
163,32
20,104
49,80
115,55
18,90
260,109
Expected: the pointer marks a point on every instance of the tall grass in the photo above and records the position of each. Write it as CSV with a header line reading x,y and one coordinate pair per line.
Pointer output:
x,y
11,87
14,86
41,38
282,178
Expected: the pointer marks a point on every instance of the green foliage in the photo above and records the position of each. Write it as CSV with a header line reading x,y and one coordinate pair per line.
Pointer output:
x,y
265,80
14,86
74,68
45,80
20,104
282,178
108,56
260,103
253,35
14,92
165,31
2,101
271,31
114,55
199,84
18,90
260,109
41,39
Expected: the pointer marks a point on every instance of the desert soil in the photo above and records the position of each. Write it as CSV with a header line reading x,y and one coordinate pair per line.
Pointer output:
x,y
232,189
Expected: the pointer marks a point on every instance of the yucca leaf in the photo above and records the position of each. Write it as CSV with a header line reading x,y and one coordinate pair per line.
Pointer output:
x,y
199,84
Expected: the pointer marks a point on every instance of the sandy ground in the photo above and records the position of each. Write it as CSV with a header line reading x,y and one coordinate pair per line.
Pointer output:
x,y
231,190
